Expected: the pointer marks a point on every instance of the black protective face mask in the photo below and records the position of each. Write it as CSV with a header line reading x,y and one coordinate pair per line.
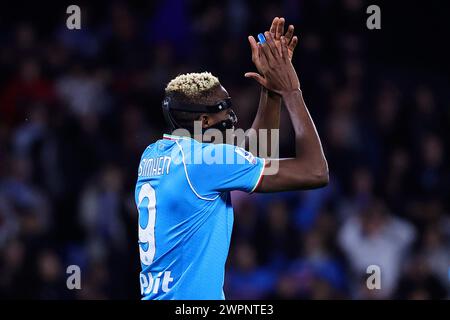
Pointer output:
x,y
224,124
171,104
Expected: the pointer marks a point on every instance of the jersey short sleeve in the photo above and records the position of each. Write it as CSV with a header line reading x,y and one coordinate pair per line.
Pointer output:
x,y
224,167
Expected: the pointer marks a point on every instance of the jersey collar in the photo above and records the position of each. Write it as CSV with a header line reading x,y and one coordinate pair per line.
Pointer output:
x,y
172,137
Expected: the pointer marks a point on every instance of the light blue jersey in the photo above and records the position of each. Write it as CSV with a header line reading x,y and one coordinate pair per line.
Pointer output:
x,y
185,214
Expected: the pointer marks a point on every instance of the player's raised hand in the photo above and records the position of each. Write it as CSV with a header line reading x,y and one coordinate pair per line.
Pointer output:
x,y
256,55
277,31
278,73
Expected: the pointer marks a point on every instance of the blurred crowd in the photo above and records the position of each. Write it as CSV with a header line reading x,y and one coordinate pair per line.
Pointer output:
x,y
78,107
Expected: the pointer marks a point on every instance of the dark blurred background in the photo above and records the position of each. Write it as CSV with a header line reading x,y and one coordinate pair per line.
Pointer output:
x,y
77,108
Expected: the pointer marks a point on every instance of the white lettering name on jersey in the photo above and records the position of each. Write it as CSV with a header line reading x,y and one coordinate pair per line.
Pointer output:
x,y
154,166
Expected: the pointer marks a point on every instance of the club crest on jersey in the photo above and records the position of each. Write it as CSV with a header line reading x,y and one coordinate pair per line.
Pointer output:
x,y
247,155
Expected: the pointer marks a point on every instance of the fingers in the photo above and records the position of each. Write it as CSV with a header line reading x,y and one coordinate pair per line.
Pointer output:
x,y
256,77
284,48
293,43
252,75
289,33
273,27
280,29
254,47
270,47
264,61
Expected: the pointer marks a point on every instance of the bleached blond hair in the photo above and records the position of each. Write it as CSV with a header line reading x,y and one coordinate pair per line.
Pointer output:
x,y
192,85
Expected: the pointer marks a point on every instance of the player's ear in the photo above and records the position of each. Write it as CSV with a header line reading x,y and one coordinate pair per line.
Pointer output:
x,y
206,120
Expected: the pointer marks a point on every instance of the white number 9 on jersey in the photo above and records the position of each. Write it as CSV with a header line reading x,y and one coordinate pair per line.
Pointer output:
x,y
147,216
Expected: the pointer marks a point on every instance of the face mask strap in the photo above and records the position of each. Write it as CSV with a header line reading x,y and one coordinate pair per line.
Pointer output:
x,y
169,104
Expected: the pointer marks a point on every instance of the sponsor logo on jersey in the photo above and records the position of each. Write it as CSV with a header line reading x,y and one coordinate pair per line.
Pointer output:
x,y
247,155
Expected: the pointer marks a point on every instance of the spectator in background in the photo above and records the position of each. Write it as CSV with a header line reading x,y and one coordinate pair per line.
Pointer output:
x,y
101,210
376,237
24,201
362,190
95,282
419,282
104,218
247,279
52,280
83,91
29,86
317,272
399,179
278,236
12,269
435,250
433,177
9,226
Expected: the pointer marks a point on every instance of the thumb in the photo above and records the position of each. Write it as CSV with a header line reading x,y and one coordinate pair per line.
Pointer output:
x,y
256,76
